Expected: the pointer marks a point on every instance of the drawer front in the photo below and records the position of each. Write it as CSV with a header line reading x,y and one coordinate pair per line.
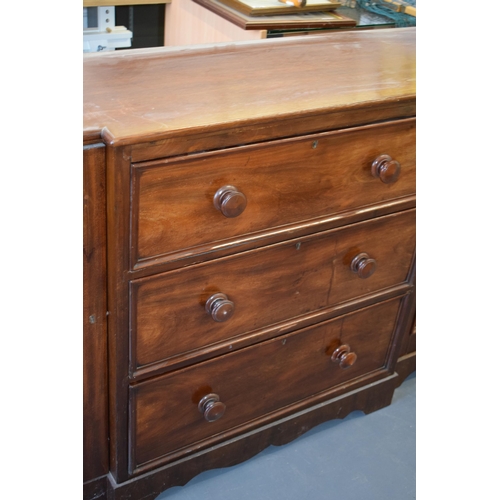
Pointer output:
x,y
284,183
170,316
255,382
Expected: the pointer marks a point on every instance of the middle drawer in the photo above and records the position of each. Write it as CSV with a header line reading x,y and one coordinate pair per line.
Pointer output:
x,y
176,315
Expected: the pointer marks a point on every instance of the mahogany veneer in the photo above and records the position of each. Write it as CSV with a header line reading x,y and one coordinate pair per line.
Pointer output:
x,y
267,286
279,376
249,246
335,175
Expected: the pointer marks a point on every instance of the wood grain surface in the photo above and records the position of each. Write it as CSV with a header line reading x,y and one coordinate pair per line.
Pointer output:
x,y
95,353
255,382
267,286
154,94
334,173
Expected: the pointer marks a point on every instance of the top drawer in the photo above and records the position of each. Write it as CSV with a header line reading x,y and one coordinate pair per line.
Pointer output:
x,y
287,182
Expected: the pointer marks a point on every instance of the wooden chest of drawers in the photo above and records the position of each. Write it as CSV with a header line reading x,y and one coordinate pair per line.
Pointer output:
x,y
258,214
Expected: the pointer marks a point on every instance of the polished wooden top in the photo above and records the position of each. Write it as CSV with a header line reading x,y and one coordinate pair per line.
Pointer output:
x,y
159,93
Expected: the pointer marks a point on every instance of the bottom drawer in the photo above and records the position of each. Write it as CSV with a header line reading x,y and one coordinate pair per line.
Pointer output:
x,y
255,384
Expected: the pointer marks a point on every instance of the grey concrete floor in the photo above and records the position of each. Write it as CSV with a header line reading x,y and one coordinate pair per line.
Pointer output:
x,y
362,457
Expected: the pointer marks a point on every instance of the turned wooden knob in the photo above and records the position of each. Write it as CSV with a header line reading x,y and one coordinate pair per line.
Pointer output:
x,y
344,356
219,307
386,169
230,201
363,265
211,407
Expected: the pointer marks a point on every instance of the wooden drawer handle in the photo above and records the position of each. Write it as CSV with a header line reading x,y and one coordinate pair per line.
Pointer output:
x,y
211,407
344,356
219,307
386,169
363,265
230,201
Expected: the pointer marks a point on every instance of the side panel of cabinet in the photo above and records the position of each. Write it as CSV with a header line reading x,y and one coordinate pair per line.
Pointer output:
x,y
407,360
95,376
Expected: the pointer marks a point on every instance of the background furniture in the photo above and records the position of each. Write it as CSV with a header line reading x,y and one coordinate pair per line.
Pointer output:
x,y
187,22
190,22
104,3
260,248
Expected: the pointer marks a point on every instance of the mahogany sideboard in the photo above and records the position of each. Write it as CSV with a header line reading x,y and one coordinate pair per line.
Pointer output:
x,y
249,248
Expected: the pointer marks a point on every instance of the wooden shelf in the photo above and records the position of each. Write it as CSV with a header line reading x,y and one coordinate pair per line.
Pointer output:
x,y
274,22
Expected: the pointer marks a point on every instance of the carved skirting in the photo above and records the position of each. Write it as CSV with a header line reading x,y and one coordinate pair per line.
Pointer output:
x,y
405,366
148,486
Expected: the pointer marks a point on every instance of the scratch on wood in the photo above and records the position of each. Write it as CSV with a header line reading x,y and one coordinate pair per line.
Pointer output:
x,y
331,283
